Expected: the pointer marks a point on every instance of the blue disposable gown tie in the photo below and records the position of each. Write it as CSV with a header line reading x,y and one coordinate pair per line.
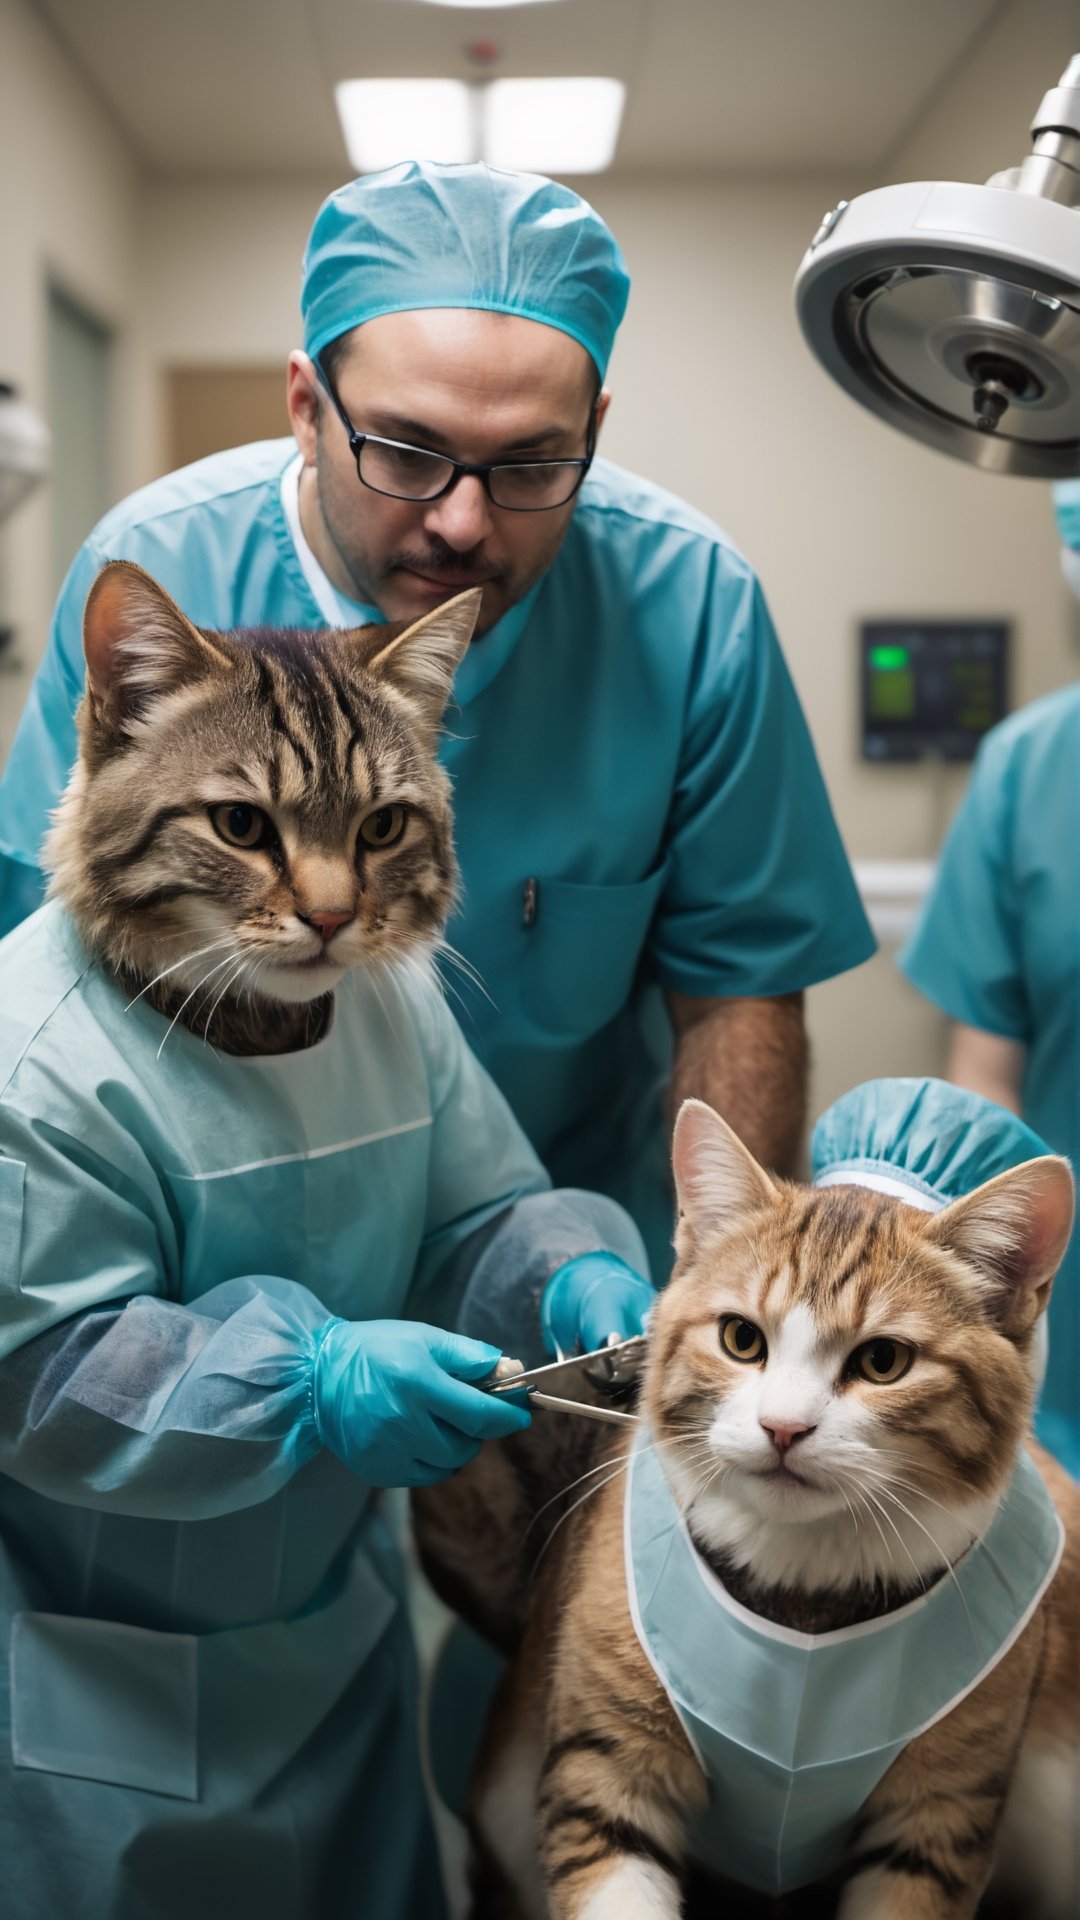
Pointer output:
x,y
620,821
211,1708
794,1730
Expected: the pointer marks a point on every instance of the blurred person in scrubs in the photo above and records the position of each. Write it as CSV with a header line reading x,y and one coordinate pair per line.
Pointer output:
x,y
998,949
652,873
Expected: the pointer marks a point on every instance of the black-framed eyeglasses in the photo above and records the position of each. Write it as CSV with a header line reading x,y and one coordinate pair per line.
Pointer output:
x,y
394,468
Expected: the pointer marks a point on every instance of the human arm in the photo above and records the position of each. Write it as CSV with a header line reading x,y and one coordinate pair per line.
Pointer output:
x,y
967,951
747,1058
759,901
115,1395
987,1063
43,751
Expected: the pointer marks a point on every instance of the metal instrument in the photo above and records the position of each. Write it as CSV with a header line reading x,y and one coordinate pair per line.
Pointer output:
x,y
953,311
612,1370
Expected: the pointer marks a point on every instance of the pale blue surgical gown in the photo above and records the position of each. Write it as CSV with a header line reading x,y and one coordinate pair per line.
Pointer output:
x,y
211,1705
637,798
998,947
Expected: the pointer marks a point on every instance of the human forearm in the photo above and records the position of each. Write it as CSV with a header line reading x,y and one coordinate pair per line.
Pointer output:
x,y
747,1058
987,1063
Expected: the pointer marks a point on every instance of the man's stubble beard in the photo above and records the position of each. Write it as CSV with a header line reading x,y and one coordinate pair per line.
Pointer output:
x,y
433,558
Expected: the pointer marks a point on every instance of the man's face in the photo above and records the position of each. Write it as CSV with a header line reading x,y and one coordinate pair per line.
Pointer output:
x,y
479,386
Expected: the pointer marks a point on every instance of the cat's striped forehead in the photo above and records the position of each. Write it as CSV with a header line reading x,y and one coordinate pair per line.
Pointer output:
x,y
842,1254
317,733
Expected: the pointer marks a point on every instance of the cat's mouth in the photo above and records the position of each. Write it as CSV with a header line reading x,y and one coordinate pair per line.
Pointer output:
x,y
782,1475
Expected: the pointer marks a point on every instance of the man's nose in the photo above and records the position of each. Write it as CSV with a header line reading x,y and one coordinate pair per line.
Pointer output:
x,y
783,1433
462,517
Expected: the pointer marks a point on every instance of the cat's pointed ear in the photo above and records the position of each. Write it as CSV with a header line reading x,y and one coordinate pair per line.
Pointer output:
x,y
1014,1231
423,658
716,1177
138,644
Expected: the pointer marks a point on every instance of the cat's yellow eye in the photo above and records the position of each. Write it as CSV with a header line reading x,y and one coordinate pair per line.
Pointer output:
x,y
384,827
241,826
881,1361
741,1339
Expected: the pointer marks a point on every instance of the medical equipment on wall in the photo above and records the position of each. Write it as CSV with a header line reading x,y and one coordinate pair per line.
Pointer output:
x,y
952,311
931,686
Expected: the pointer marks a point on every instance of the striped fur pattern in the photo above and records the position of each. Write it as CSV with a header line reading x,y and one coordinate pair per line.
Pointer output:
x,y
254,813
823,1493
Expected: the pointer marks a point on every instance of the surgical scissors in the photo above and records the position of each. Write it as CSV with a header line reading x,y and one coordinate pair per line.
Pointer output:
x,y
613,1369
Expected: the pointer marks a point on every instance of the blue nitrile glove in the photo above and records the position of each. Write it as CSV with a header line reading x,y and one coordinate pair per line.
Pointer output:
x,y
590,1297
392,1399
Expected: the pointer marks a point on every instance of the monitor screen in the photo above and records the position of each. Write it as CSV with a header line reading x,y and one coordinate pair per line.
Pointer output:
x,y
931,686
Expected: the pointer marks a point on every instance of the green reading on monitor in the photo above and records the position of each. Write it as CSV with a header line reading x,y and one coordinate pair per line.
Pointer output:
x,y
931,686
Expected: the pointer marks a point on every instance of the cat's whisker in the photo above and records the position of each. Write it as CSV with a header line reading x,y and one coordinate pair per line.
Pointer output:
x,y
858,1496
874,1507
579,1502
237,974
946,1562
195,989
908,1486
381,974
446,952
185,960
569,1488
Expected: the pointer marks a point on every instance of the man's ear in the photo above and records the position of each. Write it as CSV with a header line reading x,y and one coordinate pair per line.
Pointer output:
x,y
138,644
1014,1231
717,1179
422,659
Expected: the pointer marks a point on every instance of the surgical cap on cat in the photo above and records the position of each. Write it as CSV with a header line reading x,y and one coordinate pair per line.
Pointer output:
x,y
923,1140
426,235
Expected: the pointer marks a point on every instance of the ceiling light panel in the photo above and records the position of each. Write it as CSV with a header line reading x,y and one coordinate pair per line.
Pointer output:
x,y
553,126
477,6
385,121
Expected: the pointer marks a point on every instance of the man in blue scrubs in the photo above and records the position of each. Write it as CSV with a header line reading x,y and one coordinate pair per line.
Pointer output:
x,y
652,874
998,948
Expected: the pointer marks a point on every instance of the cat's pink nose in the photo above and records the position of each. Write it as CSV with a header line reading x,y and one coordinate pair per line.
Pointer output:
x,y
783,1435
328,923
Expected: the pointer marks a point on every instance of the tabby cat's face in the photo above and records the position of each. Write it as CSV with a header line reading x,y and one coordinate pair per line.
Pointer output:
x,y
257,812
827,1357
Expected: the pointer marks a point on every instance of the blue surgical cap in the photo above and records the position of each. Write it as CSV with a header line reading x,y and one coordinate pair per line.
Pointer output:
x,y
924,1141
1067,513
425,235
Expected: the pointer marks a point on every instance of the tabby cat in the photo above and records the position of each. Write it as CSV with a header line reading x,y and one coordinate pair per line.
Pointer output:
x,y
200,749
911,1336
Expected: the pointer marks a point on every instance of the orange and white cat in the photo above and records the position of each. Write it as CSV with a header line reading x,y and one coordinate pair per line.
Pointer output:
x,y
838,1388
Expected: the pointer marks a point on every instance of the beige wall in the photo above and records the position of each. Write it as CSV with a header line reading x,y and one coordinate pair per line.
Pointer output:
x,y
69,213
715,396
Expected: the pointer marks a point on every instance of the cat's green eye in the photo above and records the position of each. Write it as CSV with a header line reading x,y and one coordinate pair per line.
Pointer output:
x,y
384,827
741,1339
881,1361
241,826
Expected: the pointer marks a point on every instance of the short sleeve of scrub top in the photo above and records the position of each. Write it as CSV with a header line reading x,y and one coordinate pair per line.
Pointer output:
x,y
759,897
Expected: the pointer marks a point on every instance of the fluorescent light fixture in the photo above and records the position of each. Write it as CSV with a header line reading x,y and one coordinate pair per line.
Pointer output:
x,y
539,126
553,126
475,6
385,121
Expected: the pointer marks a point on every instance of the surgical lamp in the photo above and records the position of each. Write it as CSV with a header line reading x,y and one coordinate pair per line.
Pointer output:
x,y
953,311
24,450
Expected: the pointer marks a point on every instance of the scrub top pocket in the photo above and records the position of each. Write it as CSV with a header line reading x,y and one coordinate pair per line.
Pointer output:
x,y
583,950
106,1702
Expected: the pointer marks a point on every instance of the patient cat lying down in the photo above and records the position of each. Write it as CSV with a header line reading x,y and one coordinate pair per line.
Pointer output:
x,y
804,1635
